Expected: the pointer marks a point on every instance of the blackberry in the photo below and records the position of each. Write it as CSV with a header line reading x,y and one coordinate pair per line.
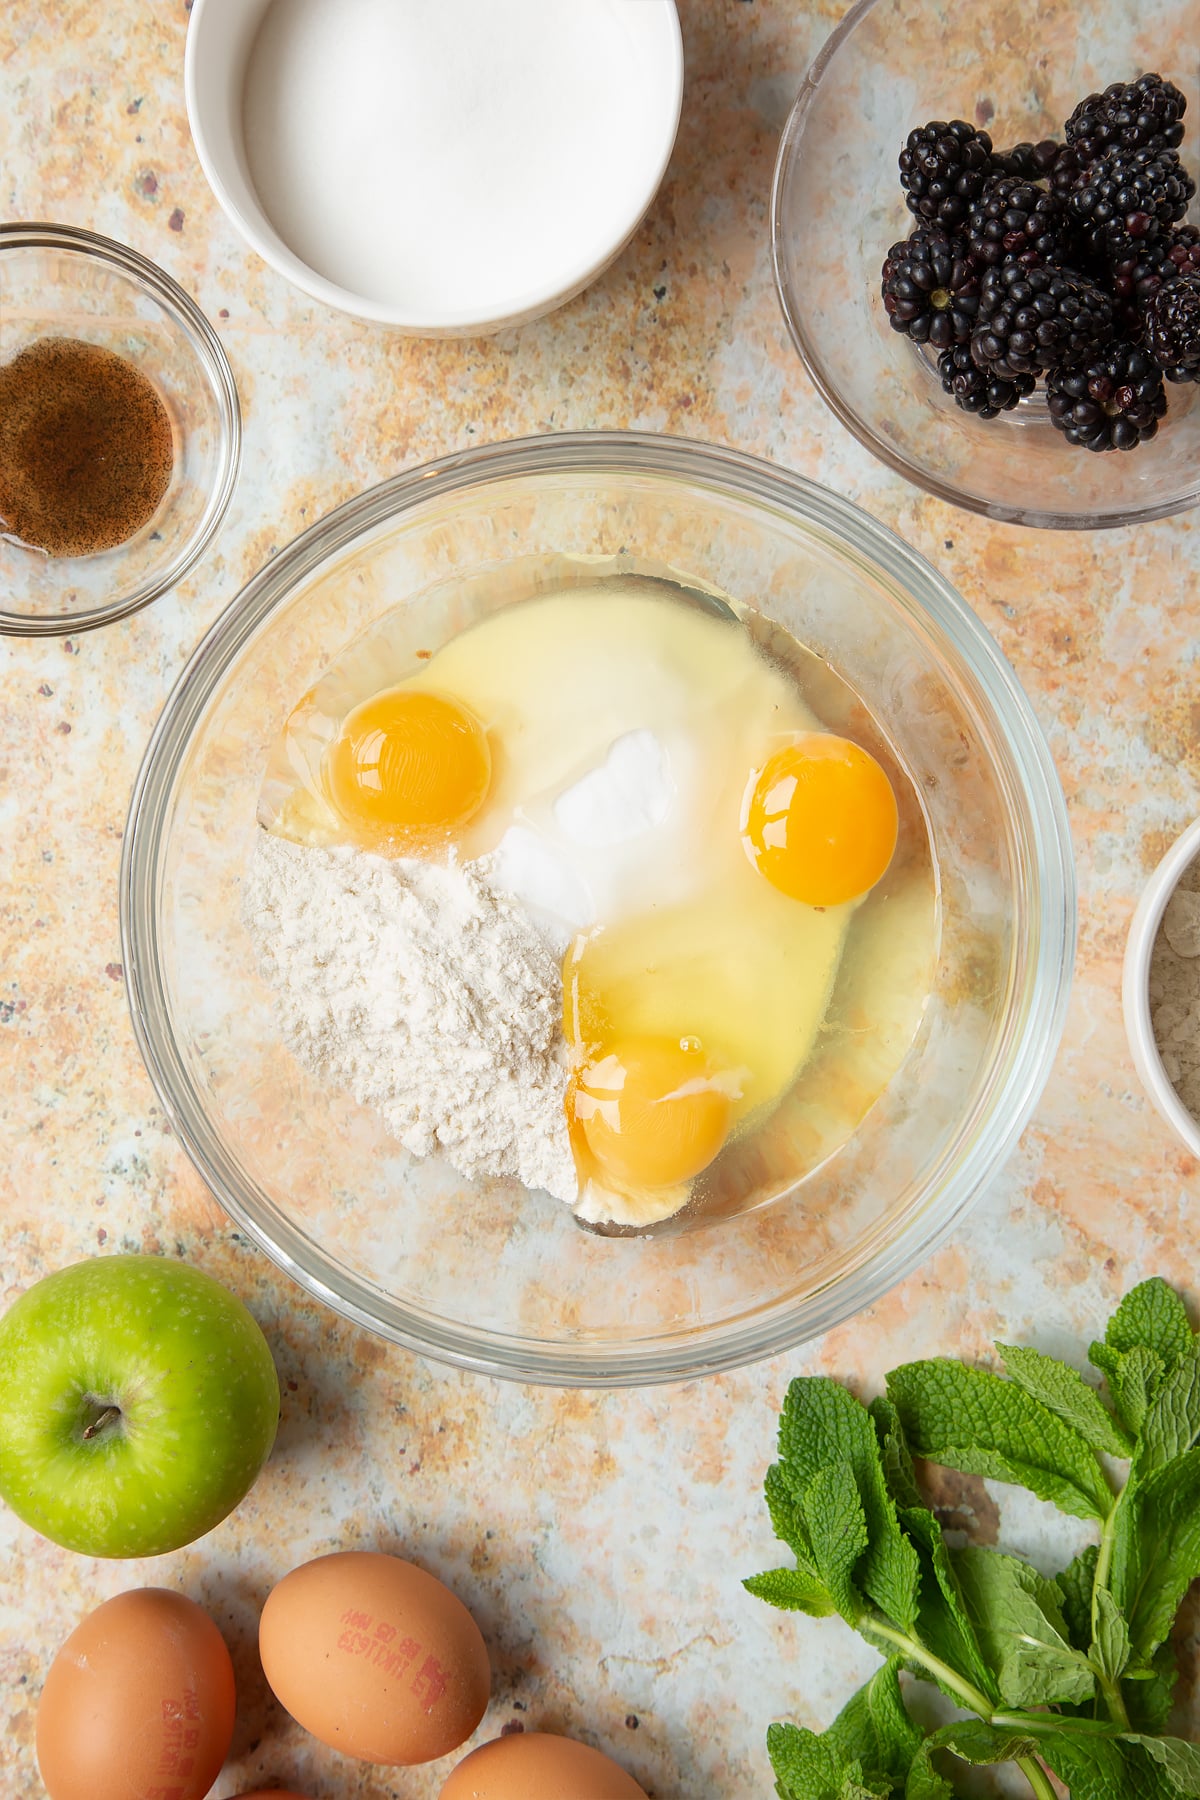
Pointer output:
x,y
1141,272
1112,402
1128,115
977,390
1173,328
1033,161
931,289
1031,319
942,169
1068,171
1128,197
1014,215
1183,250
1155,263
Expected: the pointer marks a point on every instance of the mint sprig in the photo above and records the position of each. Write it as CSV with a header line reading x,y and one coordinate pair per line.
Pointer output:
x,y
1072,1675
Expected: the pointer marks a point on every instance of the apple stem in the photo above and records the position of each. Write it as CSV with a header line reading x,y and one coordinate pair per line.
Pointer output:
x,y
108,1417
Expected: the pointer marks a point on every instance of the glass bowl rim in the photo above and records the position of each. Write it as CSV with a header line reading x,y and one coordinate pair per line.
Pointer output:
x,y
838,523
182,311
858,427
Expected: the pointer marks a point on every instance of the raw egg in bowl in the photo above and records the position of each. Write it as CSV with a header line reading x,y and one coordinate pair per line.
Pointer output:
x,y
753,806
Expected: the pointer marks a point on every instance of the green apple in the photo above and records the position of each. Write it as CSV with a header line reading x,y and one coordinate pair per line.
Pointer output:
x,y
138,1402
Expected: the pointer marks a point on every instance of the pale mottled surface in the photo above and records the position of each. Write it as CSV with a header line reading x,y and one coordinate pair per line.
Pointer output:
x,y
599,1539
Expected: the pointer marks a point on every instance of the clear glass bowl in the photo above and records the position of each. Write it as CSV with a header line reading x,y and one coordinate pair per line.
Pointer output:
x,y
838,207
56,281
491,1277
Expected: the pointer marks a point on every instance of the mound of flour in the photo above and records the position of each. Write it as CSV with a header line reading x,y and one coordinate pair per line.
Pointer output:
x,y
426,994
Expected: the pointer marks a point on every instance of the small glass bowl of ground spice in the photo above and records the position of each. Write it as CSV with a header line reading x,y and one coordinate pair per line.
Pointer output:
x,y
1161,987
120,432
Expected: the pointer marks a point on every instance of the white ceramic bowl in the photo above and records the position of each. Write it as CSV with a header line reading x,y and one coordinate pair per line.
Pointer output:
x,y
1135,986
444,245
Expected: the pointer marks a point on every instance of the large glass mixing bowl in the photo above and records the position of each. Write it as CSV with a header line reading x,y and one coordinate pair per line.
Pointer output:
x,y
488,1276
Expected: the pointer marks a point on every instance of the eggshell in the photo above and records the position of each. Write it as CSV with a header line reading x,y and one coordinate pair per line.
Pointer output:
x,y
270,1794
533,1765
375,1657
138,1703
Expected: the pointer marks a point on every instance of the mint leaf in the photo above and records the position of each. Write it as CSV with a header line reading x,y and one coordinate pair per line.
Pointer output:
x,y
805,1768
1180,1759
972,1420
1110,1647
875,1729
838,1528
1156,1553
975,1742
987,1627
1172,1423
866,1752
1103,1768
1154,1317
807,1592
1019,1625
1075,1584
792,1590
943,1623
808,1767
1068,1396
978,1743
821,1423
787,1519
897,1735
1134,1377
898,1469
972,1742
1147,1338
1149,1690
924,1782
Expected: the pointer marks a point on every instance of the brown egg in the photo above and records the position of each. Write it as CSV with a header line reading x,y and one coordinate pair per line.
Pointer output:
x,y
138,1703
532,1765
375,1657
270,1794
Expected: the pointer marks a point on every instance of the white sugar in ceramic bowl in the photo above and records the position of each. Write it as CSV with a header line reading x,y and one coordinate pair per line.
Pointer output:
x,y
1135,986
445,167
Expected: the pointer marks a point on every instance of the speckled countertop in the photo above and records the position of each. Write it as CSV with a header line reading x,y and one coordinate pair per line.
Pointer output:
x,y
598,1538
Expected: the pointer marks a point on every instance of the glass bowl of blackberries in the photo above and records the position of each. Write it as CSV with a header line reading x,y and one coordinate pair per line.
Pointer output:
x,y
987,247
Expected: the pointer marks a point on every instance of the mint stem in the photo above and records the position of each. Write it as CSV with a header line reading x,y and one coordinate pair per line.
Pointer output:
x,y
1114,1700
1037,1778
1108,1539
916,1652
971,1697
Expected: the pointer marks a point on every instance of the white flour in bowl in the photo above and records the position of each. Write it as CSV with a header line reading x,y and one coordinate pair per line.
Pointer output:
x,y
426,994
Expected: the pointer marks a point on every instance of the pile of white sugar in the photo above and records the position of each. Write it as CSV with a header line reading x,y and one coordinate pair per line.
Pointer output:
x,y
425,993
451,158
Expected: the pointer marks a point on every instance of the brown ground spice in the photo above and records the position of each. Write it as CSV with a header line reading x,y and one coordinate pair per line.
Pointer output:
x,y
86,448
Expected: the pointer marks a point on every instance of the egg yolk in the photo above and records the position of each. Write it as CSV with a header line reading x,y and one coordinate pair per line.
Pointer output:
x,y
820,821
651,1111
408,765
